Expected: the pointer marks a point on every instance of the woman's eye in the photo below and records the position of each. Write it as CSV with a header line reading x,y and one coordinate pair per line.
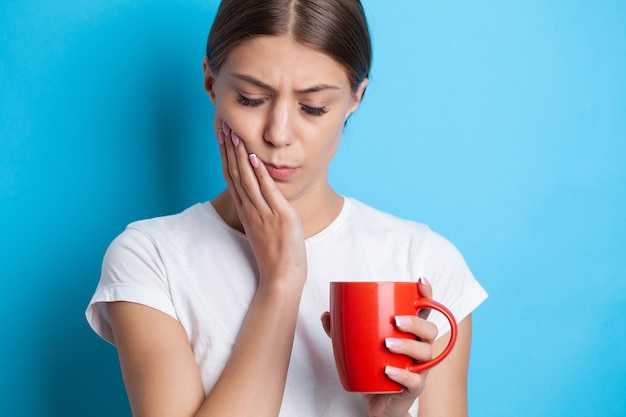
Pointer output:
x,y
314,111
251,102
256,102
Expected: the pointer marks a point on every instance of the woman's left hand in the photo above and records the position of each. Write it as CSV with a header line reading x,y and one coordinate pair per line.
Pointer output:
x,y
419,348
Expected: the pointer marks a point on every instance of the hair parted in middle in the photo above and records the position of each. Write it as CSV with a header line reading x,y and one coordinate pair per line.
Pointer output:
x,y
336,27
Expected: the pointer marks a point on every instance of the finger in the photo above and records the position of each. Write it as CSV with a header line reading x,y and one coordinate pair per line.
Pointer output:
x,y
425,290
272,195
416,350
232,165
248,180
422,329
413,382
243,181
222,139
326,322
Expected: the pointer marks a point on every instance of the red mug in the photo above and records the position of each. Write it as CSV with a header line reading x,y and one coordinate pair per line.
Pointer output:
x,y
362,315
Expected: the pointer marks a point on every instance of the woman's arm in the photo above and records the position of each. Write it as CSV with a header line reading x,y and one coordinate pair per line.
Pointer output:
x,y
158,366
445,394
161,376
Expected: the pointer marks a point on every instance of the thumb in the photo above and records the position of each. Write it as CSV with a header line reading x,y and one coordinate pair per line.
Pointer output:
x,y
425,290
326,322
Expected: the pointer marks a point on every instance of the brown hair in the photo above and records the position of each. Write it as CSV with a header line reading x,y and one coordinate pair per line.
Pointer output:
x,y
336,27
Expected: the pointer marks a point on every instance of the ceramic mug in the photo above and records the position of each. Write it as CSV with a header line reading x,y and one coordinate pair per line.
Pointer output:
x,y
362,315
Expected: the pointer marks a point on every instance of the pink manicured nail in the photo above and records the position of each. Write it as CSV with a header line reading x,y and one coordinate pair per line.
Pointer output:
x,y
226,128
235,138
402,321
390,342
391,371
220,137
424,281
254,160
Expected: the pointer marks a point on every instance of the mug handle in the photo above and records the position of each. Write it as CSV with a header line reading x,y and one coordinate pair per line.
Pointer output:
x,y
423,302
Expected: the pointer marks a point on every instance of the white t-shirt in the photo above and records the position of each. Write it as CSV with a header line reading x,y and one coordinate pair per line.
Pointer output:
x,y
200,271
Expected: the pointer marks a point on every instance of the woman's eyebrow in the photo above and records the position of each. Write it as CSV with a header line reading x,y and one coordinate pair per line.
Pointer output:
x,y
261,84
316,88
252,80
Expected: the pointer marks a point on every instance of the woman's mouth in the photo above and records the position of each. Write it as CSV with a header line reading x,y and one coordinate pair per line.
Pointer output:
x,y
279,173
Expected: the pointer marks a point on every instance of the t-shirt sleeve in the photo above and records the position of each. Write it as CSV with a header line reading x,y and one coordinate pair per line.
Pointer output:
x,y
133,271
453,283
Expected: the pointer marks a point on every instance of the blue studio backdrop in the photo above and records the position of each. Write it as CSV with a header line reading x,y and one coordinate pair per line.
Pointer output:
x,y
501,124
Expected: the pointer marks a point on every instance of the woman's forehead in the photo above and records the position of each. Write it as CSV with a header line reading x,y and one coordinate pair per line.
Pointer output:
x,y
274,57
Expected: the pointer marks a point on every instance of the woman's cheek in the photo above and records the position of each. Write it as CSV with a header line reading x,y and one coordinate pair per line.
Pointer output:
x,y
247,124
225,111
218,114
217,122
223,114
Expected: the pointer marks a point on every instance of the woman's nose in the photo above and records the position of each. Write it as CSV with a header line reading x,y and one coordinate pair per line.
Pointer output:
x,y
279,128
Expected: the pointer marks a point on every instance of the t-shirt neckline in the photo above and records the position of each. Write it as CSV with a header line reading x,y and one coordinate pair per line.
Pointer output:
x,y
321,235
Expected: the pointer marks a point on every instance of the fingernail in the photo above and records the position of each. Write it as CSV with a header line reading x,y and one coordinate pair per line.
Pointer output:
x,y
391,371
402,321
234,137
226,128
254,160
391,343
220,137
424,281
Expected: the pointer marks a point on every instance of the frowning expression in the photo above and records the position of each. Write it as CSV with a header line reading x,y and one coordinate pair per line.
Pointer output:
x,y
289,103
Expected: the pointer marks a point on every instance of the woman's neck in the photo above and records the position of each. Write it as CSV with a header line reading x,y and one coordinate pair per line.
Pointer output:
x,y
316,211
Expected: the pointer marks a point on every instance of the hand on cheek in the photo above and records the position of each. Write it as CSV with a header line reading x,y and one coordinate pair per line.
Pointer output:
x,y
262,210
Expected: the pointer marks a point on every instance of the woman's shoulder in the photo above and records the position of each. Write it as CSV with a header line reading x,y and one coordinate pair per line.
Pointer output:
x,y
200,219
375,221
189,219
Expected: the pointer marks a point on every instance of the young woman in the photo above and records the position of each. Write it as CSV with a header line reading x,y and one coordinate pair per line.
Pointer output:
x,y
216,311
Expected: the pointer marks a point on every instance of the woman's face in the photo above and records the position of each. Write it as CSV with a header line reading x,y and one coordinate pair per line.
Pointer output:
x,y
288,103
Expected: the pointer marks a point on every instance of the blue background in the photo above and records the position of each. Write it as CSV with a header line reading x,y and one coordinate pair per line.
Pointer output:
x,y
502,125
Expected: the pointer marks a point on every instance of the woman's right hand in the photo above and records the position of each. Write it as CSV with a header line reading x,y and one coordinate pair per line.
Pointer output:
x,y
272,225
159,368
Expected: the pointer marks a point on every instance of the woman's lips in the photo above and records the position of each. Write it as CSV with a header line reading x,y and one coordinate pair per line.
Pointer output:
x,y
279,173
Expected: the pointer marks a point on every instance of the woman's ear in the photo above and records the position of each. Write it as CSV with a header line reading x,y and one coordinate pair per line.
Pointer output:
x,y
209,79
361,90
358,96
